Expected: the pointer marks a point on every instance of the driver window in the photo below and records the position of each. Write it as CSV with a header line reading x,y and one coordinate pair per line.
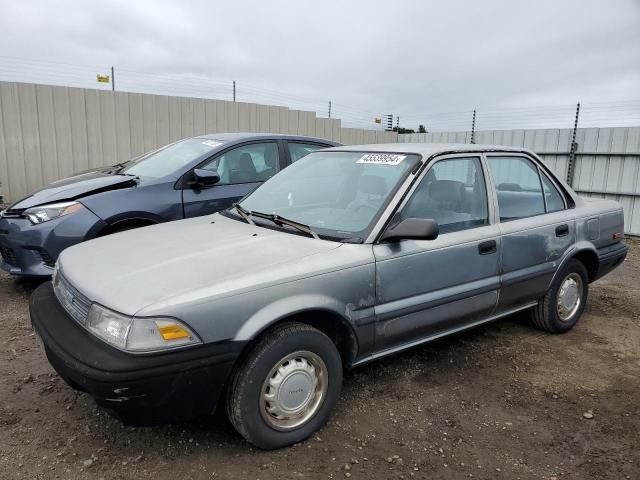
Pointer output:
x,y
251,163
453,193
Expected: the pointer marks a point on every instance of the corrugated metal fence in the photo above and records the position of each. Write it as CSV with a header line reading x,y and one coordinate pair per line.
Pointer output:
x,y
49,132
607,159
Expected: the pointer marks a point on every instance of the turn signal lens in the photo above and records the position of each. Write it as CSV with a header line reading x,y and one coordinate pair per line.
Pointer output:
x,y
173,332
153,334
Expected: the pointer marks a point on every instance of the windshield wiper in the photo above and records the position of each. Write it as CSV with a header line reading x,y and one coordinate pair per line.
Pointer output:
x,y
246,214
278,220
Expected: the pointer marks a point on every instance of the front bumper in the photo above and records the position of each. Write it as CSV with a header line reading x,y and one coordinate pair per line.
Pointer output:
x,y
31,250
138,389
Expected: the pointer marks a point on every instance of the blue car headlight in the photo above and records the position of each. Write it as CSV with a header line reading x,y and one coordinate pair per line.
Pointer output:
x,y
44,213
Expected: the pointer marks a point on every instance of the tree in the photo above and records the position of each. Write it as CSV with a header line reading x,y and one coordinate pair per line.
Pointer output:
x,y
422,129
403,130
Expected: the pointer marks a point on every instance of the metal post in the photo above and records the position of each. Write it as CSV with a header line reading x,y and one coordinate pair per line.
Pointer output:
x,y
473,128
113,79
329,108
234,90
574,147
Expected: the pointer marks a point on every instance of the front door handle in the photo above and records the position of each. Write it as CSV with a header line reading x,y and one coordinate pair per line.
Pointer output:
x,y
488,247
562,230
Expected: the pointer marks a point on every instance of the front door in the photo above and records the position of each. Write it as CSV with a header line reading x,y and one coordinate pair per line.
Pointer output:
x,y
241,170
536,227
428,287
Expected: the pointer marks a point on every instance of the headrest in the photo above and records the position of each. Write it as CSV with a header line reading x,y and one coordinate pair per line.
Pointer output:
x,y
372,185
446,190
270,157
244,163
510,187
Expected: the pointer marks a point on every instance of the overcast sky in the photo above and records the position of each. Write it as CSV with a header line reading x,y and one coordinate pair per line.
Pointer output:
x,y
410,58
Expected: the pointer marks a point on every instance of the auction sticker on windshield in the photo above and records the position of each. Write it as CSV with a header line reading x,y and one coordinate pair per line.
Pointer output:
x,y
382,158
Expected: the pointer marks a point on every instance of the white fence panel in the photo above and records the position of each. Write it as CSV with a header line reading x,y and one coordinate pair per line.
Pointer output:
x,y
49,132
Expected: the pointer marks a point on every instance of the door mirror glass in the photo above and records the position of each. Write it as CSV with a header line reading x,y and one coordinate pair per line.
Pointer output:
x,y
205,178
413,228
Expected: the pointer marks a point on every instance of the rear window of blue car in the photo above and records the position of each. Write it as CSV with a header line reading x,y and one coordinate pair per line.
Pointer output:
x,y
172,158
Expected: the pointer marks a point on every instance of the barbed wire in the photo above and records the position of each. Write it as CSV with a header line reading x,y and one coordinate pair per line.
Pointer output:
x,y
592,114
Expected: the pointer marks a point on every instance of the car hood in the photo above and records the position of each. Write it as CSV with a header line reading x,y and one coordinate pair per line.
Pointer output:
x,y
75,187
173,262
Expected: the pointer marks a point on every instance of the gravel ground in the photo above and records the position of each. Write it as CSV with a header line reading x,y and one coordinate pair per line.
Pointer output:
x,y
500,401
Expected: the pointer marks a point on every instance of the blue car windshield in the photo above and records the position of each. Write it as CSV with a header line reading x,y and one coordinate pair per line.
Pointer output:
x,y
169,159
337,194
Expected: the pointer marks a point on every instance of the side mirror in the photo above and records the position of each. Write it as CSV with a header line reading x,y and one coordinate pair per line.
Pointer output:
x,y
205,178
412,228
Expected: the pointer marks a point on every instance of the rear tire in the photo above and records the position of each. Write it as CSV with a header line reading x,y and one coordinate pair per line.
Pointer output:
x,y
285,389
561,307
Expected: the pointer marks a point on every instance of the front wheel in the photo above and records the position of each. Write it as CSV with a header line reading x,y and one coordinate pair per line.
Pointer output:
x,y
560,309
286,388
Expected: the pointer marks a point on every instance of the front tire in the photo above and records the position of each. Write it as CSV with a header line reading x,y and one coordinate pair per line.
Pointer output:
x,y
560,309
285,389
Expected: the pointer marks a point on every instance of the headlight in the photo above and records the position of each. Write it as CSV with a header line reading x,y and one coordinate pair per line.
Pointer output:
x,y
138,334
44,213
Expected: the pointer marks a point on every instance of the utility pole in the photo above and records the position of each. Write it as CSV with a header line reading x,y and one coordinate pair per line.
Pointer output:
x,y
329,108
572,150
234,90
113,79
473,128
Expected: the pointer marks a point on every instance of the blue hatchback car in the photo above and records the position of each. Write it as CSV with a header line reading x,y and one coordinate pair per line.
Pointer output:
x,y
192,177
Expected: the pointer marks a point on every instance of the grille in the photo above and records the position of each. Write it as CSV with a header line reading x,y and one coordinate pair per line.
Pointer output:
x,y
74,302
8,255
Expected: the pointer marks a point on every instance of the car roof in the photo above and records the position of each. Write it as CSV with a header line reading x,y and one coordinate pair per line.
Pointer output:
x,y
230,137
426,149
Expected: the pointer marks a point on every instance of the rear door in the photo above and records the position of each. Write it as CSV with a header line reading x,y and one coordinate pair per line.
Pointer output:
x,y
428,287
535,224
241,168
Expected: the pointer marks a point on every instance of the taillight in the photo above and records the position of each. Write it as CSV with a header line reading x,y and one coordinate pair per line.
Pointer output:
x,y
618,236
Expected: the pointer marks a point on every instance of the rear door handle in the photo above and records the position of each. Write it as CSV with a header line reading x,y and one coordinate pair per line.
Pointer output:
x,y
562,230
488,247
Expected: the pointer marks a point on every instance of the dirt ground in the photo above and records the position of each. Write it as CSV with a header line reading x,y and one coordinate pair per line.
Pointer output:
x,y
503,401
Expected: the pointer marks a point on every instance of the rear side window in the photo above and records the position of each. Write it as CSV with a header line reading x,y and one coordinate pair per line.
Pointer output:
x,y
552,197
518,187
299,150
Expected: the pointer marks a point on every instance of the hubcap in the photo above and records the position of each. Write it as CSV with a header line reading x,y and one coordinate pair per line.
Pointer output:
x,y
569,296
294,390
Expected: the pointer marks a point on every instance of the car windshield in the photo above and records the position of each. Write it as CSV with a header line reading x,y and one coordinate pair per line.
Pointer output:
x,y
337,194
169,159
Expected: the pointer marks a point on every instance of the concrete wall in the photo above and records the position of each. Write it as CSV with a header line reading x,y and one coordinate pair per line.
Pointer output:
x,y
49,132
607,160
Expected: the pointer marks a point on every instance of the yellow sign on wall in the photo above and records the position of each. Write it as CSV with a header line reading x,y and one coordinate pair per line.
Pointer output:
x,y
103,78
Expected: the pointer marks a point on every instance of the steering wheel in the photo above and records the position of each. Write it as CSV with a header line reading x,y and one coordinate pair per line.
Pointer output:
x,y
359,205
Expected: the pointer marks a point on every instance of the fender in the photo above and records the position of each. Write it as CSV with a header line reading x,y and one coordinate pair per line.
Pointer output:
x,y
135,215
578,247
296,305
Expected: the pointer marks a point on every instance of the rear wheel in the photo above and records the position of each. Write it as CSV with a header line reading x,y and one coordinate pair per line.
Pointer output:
x,y
286,387
560,309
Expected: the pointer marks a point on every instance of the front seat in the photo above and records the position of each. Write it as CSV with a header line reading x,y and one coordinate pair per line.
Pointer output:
x,y
271,161
242,169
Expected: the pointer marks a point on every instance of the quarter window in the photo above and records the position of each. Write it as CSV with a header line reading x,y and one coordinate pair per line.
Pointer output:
x,y
553,198
453,193
299,150
251,163
518,187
